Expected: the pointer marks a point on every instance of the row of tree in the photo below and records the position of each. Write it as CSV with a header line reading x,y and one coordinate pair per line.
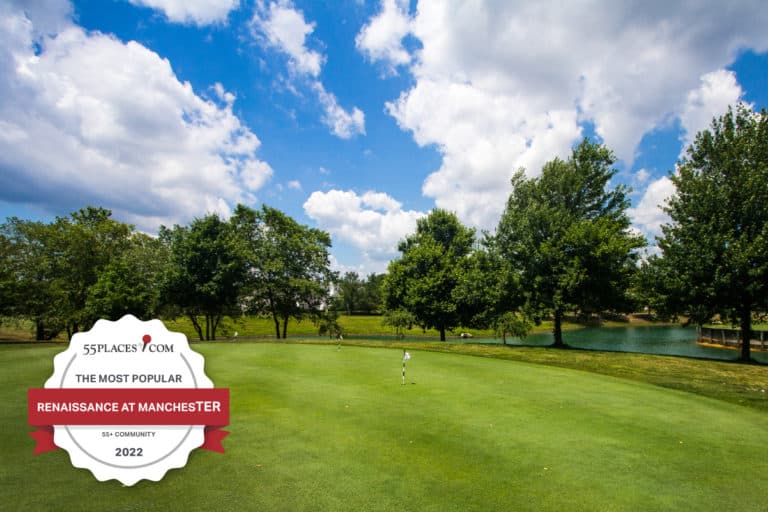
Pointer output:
x,y
563,244
65,275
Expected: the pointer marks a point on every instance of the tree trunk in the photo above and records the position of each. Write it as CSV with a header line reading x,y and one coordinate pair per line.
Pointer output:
x,y
207,327
216,321
285,326
277,324
39,331
442,333
558,329
746,334
196,325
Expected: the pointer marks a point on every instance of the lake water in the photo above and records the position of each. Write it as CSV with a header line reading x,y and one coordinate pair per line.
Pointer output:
x,y
678,341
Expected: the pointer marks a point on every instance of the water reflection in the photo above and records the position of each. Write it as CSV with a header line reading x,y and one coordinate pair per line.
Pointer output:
x,y
678,341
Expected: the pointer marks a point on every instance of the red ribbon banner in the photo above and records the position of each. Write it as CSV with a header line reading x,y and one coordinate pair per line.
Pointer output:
x,y
137,406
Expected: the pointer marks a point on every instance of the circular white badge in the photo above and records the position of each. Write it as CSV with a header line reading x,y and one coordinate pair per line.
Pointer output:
x,y
126,364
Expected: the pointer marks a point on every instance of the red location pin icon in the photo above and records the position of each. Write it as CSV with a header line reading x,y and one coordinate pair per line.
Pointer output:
x,y
146,339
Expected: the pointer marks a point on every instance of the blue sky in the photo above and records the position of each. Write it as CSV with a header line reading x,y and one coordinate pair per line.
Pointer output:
x,y
356,117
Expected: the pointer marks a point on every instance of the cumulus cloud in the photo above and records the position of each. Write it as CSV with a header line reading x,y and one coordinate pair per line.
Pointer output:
x,y
484,138
373,222
343,124
382,38
284,28
648,214
500,85
196,12
92,120
711,99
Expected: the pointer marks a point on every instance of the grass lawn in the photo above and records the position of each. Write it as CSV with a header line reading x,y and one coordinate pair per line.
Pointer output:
x,y
260,327
314,428
352,325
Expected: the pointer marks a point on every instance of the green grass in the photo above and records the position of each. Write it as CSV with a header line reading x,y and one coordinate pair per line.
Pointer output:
x,y
315,428
261,327
354,325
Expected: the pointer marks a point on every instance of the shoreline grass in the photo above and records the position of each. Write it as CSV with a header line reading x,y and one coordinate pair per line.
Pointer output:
x,y
355,325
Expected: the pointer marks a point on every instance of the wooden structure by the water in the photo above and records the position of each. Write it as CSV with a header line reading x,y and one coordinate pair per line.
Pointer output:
x,y
731,338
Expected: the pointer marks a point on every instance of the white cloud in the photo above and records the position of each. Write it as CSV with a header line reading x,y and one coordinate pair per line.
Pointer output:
x,y
197,12
294,185
373,222
717,91
648,216
223,95
118,129
285,29
641,176
382,38
343,124
484,138
499,85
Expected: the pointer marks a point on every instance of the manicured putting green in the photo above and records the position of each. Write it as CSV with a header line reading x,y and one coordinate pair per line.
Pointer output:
x,y
315,428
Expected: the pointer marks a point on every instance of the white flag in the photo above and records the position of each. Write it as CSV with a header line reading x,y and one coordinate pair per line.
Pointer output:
x,y
406,356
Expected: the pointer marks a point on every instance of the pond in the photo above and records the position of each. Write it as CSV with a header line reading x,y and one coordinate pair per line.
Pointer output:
x,y
667,340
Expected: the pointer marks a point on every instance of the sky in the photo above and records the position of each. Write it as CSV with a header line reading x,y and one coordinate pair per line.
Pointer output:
x,y
355,117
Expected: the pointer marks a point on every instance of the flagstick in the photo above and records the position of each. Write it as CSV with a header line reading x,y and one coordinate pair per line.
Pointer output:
x,y
406,356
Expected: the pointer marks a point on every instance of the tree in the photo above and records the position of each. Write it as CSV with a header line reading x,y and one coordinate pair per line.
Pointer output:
x,y
511,324
29,282
205,273
350,290
567,236
370,301
128,284
86,243
53,266
488,288
424,279
400,320
355,295
288,265
715,249
328,323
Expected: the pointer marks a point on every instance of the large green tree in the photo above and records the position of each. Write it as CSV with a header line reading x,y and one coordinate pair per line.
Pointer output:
x,y
129,283
425,280
715,249
566,234
288,265
29,284
89,241
52,267
488,289
205,274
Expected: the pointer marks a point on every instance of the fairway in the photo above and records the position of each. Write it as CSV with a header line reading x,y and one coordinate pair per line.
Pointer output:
x,y
315,428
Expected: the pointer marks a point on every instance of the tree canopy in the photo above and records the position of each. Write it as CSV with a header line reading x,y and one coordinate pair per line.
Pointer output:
x,y
566,233
424,281
715,249
288,265
51,268
205,272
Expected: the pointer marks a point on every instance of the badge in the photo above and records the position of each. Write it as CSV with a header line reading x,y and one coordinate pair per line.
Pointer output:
x,y
129,400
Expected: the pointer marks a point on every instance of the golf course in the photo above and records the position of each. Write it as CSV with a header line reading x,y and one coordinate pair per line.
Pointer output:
x,y
321,427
